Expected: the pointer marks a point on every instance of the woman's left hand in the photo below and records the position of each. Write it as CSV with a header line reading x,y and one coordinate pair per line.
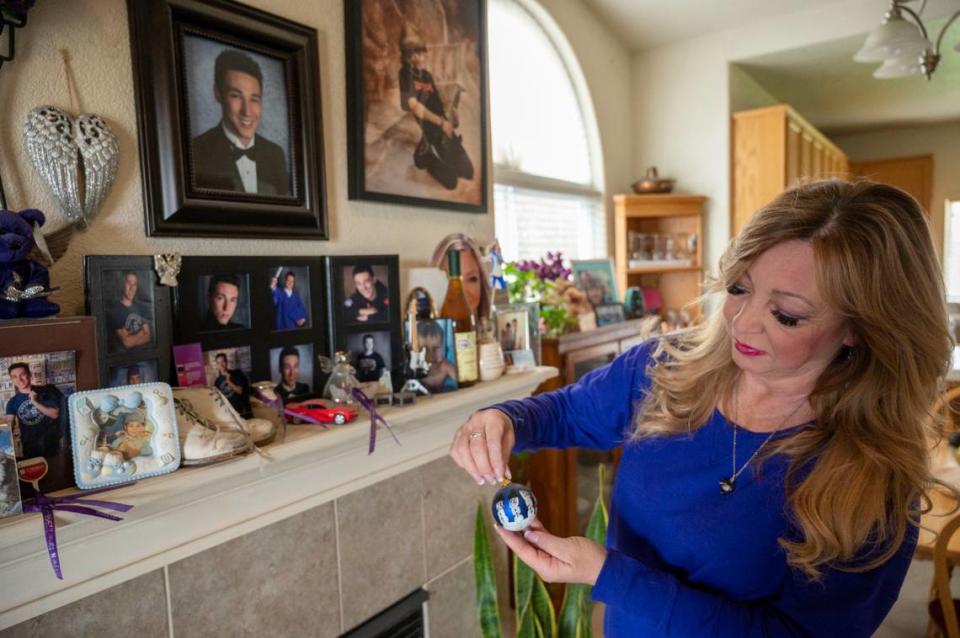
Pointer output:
x,y
554,559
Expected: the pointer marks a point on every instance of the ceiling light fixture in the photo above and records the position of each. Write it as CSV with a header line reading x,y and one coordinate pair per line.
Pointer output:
x,y
903,46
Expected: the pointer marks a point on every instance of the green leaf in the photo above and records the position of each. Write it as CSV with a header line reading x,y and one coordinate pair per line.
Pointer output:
x,y
522,593
535,613
542,608
577,607
486,584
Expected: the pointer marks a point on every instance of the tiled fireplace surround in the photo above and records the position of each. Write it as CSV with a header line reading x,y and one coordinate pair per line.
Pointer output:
x,y
317,573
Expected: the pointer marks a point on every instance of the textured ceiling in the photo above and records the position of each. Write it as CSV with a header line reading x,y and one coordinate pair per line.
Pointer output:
x,y
644,24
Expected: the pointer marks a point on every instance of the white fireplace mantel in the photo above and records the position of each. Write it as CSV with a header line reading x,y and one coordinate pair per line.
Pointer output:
x,y
193,509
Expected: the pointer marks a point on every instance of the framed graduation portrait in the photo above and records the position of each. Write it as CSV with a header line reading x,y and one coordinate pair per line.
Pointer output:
x,y
229,118
416,102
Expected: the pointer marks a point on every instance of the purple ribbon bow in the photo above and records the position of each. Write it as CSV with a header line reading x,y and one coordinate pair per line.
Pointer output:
x,y
374,418
46,505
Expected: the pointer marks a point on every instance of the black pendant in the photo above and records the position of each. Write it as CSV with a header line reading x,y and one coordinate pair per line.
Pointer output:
x,y
727,485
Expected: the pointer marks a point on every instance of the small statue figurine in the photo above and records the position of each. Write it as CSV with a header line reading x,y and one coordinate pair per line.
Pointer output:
x,y
342,379
497,282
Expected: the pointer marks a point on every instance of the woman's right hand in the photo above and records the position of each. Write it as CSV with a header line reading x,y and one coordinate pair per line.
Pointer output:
x,y
482,446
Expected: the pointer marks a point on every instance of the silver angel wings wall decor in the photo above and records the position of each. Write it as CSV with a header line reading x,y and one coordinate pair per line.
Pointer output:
x,y
76,157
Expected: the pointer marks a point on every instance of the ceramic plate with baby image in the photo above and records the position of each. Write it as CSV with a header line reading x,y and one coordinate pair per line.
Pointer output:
x,y
123,434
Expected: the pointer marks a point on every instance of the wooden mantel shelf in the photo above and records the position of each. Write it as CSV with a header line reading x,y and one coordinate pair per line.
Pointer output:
x,y
193,509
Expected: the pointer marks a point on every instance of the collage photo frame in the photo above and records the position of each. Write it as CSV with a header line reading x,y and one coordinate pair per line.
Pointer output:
x,y
255,318
365,313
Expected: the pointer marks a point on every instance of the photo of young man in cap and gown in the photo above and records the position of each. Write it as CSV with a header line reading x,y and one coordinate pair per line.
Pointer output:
x,y
289,311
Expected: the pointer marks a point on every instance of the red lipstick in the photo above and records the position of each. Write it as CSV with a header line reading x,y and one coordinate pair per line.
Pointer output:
x,y
746,350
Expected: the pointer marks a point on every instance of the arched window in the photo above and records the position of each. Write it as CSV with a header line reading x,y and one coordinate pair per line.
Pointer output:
x,y
547,167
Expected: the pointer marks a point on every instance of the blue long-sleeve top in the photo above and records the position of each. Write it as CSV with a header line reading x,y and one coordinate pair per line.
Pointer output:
x,y
683,559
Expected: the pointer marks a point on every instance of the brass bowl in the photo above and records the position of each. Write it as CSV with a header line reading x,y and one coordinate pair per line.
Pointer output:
x,y
647,186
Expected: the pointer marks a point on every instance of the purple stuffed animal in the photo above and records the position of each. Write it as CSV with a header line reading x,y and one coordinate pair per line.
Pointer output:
x,y
24,284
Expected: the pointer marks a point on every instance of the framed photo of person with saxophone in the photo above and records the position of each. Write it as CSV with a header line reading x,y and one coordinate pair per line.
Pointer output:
x,y
416,106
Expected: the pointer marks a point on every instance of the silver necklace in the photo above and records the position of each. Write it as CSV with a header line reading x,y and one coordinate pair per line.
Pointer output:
x,y
729,484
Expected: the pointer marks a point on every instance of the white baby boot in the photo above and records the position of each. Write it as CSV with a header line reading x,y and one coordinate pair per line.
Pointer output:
x,y
210,404
202,441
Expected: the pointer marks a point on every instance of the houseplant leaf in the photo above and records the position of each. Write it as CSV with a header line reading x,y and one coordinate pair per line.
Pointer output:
x,y
577,607
486,584
535,615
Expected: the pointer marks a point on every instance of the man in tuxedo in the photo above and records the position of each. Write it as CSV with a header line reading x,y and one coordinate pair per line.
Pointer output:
x,y
232,156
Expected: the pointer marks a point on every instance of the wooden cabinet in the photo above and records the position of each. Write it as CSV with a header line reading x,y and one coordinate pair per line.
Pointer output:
x,y
565,481
772,149
678,216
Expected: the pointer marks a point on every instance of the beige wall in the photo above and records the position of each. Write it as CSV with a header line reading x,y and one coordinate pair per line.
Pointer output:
x,y
940,140
95,35
746,93
606,64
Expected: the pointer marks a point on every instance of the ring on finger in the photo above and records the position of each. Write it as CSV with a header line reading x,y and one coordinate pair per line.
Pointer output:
x,y
475,435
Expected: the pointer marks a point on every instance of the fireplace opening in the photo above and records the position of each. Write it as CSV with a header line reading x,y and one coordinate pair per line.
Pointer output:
x,y
404,619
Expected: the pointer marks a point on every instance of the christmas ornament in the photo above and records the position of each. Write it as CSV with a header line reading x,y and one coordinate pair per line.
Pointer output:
x,y
514,506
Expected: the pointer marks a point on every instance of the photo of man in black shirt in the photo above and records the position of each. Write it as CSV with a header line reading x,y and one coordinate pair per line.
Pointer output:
x,y
369,364
129,320
223,297
370,301
234,385
289,366
440,150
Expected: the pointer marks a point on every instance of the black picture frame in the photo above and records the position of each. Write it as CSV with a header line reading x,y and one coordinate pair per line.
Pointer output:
x,y
260,333
102,276
343,331
184,194
433,179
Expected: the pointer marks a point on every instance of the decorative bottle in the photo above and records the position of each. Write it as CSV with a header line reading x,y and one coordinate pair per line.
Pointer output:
x,y
456,307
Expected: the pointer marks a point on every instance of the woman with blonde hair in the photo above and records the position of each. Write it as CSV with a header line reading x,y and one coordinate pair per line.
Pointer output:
x,y
775,456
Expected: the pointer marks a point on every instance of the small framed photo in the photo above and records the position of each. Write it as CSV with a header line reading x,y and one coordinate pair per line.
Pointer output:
x,y
10,504
133,311
229,370
364,299
513,329
229,119
416,104
123,434
517,327
42,363
595,277
609,313
438,370
518,361
292,371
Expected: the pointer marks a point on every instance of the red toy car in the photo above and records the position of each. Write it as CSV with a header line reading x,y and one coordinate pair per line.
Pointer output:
x,y
319,411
